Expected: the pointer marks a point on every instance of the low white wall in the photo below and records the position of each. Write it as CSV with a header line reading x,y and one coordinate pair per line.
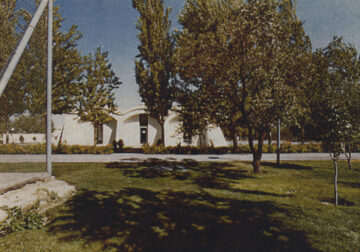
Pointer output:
x,y
28,138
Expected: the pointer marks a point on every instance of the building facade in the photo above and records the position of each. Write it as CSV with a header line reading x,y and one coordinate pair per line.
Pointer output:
x,y
134,127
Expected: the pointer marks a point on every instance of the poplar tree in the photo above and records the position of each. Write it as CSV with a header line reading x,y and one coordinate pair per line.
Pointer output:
x,y
96,100
154,68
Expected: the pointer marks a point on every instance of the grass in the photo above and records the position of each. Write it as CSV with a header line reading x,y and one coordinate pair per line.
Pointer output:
x,y
207,207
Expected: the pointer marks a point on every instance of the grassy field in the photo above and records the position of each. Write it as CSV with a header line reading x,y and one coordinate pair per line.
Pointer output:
x,y
199,207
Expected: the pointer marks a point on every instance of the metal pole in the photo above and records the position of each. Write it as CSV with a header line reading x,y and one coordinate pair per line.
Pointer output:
x,y
49,89
278,143
21,47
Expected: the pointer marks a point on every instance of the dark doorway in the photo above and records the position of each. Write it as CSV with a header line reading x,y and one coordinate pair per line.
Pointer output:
x,y
143,118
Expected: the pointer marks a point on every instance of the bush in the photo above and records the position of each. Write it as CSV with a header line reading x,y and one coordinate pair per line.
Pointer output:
x,y
121,144
21,139
114,144
286,147
18,220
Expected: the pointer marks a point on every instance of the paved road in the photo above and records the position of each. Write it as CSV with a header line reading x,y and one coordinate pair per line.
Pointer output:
x,y
132,157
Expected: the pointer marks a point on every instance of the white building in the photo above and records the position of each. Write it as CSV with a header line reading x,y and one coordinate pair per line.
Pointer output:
x,y
134,127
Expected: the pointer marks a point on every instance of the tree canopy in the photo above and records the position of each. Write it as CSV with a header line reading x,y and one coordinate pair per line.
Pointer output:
x,y
96,100
247,54
154,68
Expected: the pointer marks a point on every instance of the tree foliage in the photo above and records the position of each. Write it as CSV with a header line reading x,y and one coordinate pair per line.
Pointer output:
x,y
81,84
96,100
11,102
28,124
67,67
154,68
334,103
244,57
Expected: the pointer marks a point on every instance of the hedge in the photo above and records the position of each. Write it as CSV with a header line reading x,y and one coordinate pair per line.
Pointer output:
x,y
61,149
286,147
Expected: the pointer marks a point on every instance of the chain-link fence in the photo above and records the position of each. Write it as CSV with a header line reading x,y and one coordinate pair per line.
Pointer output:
x,y
23,101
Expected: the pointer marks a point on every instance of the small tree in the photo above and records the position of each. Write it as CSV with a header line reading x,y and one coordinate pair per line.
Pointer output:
x,y
334,100
155,68
96,101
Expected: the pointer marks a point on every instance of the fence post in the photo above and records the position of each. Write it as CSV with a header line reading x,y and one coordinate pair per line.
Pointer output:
x,y
49,89
278,143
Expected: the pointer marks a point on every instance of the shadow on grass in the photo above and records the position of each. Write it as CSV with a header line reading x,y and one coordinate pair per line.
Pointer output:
x,y
287,166
205,175
341,201
350,184
262,193
143,220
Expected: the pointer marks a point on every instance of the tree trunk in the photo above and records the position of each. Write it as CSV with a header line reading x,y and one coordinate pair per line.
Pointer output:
x,y
95,133
302,134
234,139
162,140
348,155
257,153
335,182
269,138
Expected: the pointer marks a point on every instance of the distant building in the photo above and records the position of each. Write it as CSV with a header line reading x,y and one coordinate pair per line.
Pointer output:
x,y
134,127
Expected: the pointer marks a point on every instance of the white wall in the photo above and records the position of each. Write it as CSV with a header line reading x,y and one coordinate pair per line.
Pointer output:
x,y
215,136
76,132
173,136
109,130
128,129
126,126
28,138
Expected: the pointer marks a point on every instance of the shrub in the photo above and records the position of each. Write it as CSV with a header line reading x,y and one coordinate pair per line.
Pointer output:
x,y
115,144
79,149
34,138
17,220
21,139
121,145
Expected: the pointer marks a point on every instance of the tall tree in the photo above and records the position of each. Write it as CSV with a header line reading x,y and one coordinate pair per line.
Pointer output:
x,y
245,51
11,101
96,100
67,66
154,69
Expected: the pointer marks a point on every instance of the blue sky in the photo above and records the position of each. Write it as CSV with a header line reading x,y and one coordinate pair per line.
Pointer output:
x,y
110,24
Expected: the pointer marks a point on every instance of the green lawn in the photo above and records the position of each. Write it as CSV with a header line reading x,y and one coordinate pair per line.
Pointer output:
x,y
209,207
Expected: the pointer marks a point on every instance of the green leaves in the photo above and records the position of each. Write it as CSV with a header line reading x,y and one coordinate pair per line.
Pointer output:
x,y
155,68
96,98
335,96
243,58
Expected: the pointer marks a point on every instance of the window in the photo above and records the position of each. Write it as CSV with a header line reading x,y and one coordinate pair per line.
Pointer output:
x,y
99,132
143,118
